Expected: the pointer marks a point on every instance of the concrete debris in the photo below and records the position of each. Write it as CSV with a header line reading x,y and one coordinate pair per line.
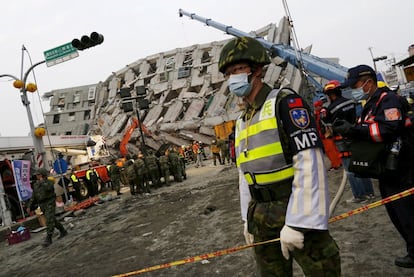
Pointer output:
x,y
187,95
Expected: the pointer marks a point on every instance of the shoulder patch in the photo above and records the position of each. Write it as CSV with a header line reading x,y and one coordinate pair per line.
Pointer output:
x,y
392,114
299,117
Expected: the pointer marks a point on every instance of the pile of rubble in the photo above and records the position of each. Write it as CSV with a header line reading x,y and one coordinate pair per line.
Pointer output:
x,y
187,94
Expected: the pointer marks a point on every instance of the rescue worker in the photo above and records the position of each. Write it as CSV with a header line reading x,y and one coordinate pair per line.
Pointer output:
x,y
341,108
182,154
224,151
92,178
177,167
141,172
130,171
165,167
283,183
153,169
215,150
197,154
383,121
115,175
326,136
76,185
44,195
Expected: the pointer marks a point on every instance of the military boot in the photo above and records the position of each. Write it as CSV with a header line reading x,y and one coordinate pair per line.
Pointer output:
x,y
47,241
63,233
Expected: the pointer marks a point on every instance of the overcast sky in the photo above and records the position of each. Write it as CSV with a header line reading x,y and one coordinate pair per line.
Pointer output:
x,y
136,29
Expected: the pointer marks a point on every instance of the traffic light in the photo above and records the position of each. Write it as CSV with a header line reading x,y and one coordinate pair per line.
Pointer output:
x,y
86,42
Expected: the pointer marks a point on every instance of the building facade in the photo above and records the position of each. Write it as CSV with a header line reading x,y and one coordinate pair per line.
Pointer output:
x,y
71,110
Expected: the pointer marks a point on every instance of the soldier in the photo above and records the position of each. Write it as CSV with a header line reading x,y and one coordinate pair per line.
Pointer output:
x,y
44,195
115,175
142,174
131,175
283,183
165,167
177,167
153,169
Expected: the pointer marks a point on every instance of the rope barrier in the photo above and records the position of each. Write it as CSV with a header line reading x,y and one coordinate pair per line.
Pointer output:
x,y
242,247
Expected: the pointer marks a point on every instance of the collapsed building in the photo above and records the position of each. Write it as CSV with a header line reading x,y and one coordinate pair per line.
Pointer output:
x,y
186,93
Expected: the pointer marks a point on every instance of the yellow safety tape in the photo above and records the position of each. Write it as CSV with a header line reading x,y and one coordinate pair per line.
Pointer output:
x,y
242,247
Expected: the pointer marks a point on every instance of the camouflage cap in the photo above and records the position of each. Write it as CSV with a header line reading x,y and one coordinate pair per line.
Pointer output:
x,y
42,171
242,49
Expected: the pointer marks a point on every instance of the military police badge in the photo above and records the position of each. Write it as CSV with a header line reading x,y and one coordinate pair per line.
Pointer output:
x,y
300,117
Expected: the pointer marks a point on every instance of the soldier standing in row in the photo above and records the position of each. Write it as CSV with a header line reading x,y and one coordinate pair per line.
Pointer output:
x,y
177,168
165,167
131,175
44,195
153,170
142,174
115,175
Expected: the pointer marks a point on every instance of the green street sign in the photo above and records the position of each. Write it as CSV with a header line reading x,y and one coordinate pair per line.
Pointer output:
x,y
60,54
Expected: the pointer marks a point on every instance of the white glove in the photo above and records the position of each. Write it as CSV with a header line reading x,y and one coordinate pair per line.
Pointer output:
x,y
290,239
247,236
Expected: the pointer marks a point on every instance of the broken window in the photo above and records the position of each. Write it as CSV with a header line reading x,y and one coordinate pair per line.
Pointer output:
x,y
71,116
56,119
91,93
152,67
61,101
170,63
87,115
188,59
183,72
76,97
206,56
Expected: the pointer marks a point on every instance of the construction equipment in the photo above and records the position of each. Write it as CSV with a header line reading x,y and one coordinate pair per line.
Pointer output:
x,y
312,64
128,133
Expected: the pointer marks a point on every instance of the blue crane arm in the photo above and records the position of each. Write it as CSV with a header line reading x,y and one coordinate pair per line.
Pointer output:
x,y
315,65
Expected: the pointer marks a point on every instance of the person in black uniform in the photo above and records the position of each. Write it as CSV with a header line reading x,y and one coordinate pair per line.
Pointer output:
x,y
382,121
343,108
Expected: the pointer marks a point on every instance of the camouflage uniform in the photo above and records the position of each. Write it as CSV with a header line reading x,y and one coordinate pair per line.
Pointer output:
x,y
224,151
283,189
153,170
177,166
215,150
44,195
131,175
165,169
115,175
142,175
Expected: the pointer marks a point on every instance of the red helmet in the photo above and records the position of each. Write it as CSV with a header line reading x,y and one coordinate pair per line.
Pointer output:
x,y
332,85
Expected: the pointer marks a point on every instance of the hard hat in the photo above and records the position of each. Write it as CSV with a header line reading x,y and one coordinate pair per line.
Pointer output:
x,y
318,103
410,100
332,86
213,141
242,49
42,171
381,84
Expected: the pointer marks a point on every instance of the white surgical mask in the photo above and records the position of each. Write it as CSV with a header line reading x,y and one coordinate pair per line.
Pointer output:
x,y
239,84
359,94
